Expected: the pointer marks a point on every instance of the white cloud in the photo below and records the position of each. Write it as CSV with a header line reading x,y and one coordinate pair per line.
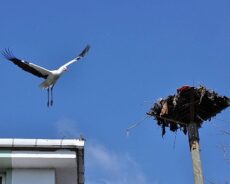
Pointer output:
x,y
104,166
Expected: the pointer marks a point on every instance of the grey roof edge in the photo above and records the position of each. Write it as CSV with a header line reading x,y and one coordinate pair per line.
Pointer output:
x,y
41,143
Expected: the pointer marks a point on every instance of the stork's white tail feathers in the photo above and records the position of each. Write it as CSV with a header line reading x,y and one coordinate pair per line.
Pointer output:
x,y
44,85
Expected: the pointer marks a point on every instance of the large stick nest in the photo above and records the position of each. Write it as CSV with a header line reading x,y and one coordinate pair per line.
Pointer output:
x,y
175,110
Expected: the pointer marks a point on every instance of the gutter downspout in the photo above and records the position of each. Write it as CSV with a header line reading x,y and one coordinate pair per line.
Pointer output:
x,y
80,165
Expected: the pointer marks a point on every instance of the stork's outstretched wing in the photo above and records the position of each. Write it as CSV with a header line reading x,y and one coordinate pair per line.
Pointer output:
x,y
29,67
81,55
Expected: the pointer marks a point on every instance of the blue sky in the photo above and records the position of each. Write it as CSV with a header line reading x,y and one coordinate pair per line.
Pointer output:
x,y
140,50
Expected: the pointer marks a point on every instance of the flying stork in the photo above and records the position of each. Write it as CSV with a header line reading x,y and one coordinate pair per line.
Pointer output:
x,y
50,76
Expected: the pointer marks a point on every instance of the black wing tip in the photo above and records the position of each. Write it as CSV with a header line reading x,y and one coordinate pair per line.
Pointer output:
x,y
85,51
7,53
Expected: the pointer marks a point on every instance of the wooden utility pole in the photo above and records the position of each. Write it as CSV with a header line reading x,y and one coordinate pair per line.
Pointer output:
x,y
193,136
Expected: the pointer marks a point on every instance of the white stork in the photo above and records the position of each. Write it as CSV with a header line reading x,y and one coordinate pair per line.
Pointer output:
x,y
50,76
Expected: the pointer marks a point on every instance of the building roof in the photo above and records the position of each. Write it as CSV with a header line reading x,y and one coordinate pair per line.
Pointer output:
x,y
41,143
41,152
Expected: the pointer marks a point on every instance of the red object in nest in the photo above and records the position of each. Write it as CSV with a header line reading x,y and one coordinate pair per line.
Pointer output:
x,y
183,88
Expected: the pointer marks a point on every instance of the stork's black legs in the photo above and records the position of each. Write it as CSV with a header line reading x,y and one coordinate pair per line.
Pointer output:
x,y
50,96
48,103
51,102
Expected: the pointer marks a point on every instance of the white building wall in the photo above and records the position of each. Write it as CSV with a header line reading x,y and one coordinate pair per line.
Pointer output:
x,y
33,176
